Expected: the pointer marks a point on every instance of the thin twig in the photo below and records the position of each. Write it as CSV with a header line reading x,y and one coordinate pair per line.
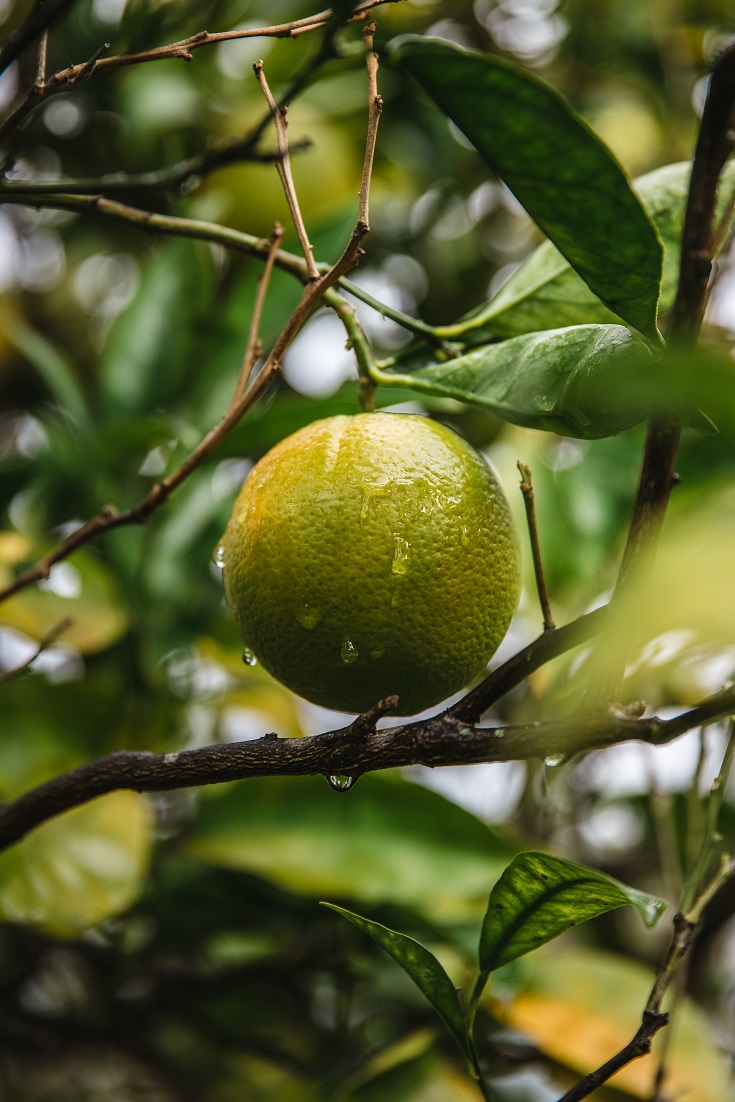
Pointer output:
x,y
254,345
48,639
351,751
66,79
42,56
538,567
375,108
108,518
283,165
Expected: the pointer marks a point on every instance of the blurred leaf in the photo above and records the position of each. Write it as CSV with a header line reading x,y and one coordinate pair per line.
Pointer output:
x,y
551,380
53,367
554,164
82,589
545,292
423,968
80,868
563,1011
539,896
429,1077
690,591
147,353
382,840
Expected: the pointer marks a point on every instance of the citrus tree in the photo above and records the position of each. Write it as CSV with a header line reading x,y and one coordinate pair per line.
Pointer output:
x,y
273,294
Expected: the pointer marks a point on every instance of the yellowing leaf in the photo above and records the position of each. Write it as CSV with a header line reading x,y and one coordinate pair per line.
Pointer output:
x,y
80,868
81,589
582,1006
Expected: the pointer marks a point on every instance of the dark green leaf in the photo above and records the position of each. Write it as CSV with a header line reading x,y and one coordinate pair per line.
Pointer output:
x,y
385,839
423,968
559,380
539,896
546,292
554,164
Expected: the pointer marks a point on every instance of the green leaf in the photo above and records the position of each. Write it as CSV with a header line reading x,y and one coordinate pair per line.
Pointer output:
x,y
53,367
539,896
385,839
554,164
153,341
559,380
78,869
423,968
545,292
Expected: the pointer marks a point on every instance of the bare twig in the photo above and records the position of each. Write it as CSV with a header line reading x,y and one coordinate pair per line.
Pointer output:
x,y
66,79
351,751
48,639
42,56
357,341
254,346
538,568
283,164
375,108
314,290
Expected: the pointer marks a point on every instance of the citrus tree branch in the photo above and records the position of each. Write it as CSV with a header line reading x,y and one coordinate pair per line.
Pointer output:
x,y
350,751
67,79
538,566
699,242
283,164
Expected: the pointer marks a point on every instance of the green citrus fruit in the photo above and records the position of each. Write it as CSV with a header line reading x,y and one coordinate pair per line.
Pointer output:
x,y
372,555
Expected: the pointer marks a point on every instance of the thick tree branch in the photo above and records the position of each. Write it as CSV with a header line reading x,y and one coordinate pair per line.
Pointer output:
x,y
350,751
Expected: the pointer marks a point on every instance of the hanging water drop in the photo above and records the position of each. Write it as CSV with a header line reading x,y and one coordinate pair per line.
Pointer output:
x,y
554,759
218,556
248,657
349,652
340,782
308,616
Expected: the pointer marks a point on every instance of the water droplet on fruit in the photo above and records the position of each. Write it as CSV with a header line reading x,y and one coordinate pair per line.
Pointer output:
x,y
218,556
308,616
340,782
554,759
349,652
248,657
376,653
401,555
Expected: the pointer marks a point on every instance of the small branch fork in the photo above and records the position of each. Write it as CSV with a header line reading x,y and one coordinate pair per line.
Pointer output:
x,y
67,79
317,286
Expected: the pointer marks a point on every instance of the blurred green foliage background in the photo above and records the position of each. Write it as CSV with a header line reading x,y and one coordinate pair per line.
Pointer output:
x,y
172,948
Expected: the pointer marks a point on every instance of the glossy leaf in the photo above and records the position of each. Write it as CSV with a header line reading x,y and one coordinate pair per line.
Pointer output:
x,y
564,176
539,896
561,380
78,869
423,968
546,292
382,840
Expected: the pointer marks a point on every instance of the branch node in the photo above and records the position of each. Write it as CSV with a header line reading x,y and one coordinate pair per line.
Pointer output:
x,y
365,724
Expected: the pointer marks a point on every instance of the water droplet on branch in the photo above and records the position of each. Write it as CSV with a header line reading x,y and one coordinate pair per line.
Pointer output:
x,y
248,657
340,782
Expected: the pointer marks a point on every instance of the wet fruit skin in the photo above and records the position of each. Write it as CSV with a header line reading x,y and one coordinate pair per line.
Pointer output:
x,y
372,555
